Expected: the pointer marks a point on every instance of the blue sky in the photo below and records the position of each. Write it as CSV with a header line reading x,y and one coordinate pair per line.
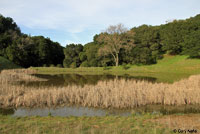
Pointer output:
x,y
77,21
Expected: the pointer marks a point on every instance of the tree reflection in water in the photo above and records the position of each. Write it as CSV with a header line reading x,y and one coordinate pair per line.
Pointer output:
x,y
81,80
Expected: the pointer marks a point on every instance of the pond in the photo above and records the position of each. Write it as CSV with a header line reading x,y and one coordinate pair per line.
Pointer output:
x,y
81,80
85,111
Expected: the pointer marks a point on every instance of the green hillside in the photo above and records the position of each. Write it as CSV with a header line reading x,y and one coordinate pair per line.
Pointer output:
x,y
171,64
6,64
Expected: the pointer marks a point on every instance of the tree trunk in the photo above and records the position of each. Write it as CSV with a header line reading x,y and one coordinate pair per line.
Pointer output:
x,y
115,56
117,60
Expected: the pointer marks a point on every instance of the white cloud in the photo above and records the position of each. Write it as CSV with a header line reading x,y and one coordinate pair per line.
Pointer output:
x,y
77,16
72,15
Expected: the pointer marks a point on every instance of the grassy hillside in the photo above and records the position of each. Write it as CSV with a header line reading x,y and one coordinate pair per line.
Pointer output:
x,y
6,64
168,69
172,64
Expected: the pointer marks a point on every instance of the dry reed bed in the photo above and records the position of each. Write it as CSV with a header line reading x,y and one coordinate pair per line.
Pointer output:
x,y
19,75
113,93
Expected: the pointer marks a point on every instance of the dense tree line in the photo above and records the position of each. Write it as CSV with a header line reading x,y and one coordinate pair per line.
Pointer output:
x,y
142,45
146,44
25,50
182,37
115,46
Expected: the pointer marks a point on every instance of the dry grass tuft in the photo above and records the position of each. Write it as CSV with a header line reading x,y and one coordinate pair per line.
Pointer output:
x,y
181,122
19,75
113,93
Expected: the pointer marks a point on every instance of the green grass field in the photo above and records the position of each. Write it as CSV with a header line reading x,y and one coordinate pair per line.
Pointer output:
x,y
6,64
82,125
135,124
169,69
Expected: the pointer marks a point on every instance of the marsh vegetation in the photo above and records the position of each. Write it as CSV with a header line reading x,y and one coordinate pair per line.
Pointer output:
x,y
117,93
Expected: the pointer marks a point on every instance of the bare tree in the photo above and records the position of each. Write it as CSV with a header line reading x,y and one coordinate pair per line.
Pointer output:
x,y
113,39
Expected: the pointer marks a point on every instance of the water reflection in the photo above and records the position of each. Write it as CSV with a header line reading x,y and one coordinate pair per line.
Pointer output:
x,y
68,111
85,111
8,111
77,79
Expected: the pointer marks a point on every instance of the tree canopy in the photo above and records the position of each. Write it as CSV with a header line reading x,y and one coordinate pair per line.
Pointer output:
x,y
25,50
117,45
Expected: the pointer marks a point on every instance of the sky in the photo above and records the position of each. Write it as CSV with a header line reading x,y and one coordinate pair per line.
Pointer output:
x,y
77,21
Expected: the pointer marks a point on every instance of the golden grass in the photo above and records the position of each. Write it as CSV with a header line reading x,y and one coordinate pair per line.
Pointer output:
x,y
19,75
182,122
106,94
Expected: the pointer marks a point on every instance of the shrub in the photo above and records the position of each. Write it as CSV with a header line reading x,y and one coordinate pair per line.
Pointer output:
x,y
59,65
84,64
125,66
106,68
44,65
73,65
66,63
52,65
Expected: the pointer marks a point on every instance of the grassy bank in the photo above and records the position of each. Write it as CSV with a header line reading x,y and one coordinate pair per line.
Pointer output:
x,y
142,124
105,94
169,69
83,125
6,64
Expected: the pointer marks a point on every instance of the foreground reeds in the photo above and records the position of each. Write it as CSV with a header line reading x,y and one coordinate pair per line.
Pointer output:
x,y
106,94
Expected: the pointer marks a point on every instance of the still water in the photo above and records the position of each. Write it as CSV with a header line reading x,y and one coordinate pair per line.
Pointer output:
x,y
81,80
85,111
